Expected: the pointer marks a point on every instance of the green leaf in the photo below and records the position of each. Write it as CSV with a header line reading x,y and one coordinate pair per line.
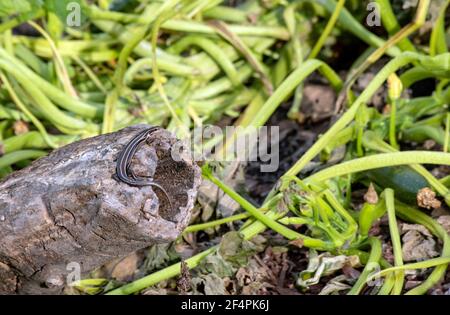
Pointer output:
x,y
439,65
61,7
18,7
90,286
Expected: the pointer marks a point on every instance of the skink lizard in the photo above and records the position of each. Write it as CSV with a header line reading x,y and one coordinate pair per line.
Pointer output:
x,y
123,171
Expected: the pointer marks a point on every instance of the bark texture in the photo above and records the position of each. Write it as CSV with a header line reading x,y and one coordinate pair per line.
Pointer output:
x,y
66,209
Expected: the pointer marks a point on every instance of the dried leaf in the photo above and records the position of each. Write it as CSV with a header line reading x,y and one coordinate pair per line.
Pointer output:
x,y
417,243
405,227
209,284
335,285
235,249
124,270
217,265
323,265
371,195
253,278
298,243
184,281
159,255
155,291
426,198
444,220
20,127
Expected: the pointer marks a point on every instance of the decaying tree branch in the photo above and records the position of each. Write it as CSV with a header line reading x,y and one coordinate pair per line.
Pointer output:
x,y
67,208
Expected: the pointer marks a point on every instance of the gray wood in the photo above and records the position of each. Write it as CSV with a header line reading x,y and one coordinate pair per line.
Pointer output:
x,y
66,208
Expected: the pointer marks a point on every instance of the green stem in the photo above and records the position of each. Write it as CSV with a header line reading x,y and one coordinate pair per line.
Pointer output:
x,y
34,140
51,112
161,275
52,92
395,239
349,23
330,25
323,141
447,134
212,224
368,214
17,156
39,126
392,125
149,15
213,50
438,39
418,265
277,32
416,216
378,161
260,216
289,85
372,264
391,24
372,141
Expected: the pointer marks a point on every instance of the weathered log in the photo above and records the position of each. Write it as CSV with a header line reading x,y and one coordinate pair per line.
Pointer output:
x,y
67,208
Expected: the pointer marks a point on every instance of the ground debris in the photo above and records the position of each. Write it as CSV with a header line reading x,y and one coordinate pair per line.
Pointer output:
x,y
444,220
323,265
371,195
336,285
184,281
426,198
418,243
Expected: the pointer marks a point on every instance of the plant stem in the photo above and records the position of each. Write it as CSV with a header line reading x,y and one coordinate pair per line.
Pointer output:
x,y
447,134
378,161
39,126
413,215
346,118
326,32
266,220
395,239
161,275
17,156
372,264
212,224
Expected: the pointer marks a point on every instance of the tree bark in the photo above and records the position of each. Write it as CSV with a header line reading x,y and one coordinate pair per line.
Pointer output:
x,y
67,210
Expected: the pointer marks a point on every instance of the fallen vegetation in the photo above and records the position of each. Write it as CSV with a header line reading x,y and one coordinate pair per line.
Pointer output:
x,y
360,202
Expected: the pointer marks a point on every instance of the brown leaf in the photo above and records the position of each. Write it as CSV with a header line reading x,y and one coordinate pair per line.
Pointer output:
x,y
209,284
154,291
444,220
318,102
426,198
417,243
20,127
253,278
124,270
184,282
298,243
371,195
